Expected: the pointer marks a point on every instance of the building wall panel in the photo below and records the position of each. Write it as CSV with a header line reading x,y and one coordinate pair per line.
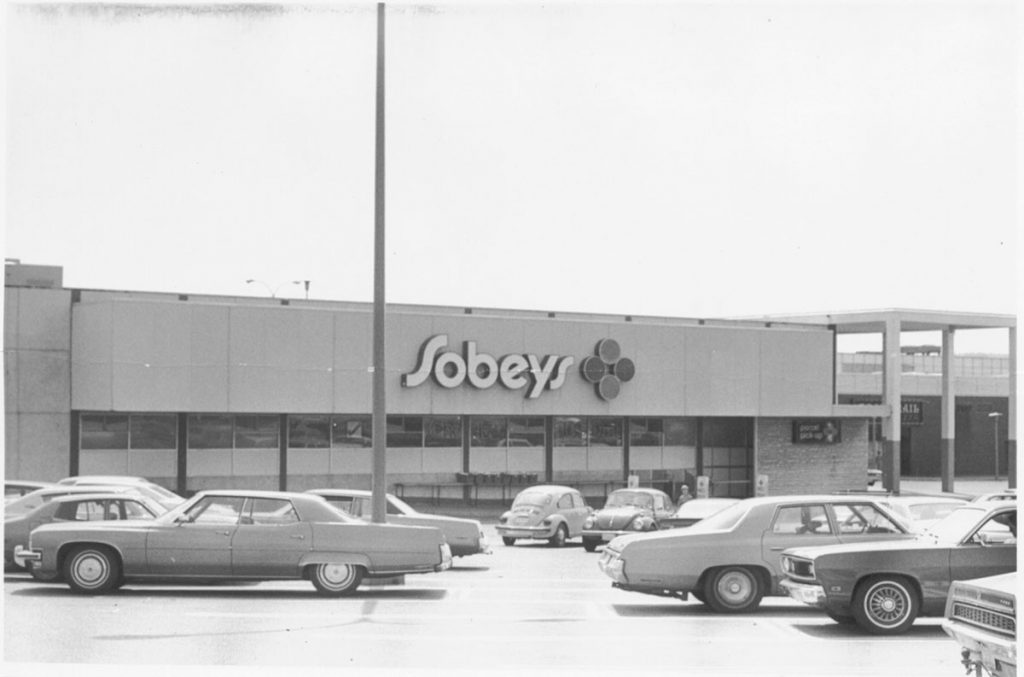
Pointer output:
x,y
795,468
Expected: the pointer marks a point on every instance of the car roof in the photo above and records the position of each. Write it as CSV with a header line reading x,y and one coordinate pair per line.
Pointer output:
x,y
348,492
549,488
98,495
643,490
103,479
258,493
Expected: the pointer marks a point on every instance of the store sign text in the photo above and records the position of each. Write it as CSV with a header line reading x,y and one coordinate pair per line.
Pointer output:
x,y
450,369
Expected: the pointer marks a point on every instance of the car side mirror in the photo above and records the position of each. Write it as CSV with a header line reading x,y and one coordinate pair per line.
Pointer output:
x,y
183,519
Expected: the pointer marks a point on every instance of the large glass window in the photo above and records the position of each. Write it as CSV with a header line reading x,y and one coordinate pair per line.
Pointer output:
x,y
210,431
489,431
606,431
570,431
104,431
309,431
405,431
646,432
351,431
153,431
257,432
526,431
442,431
681,432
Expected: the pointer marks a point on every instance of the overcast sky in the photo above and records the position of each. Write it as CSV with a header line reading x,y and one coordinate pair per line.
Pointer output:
x,y
685,159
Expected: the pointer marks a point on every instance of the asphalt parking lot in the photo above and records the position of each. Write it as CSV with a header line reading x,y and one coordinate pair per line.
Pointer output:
x,y
527,609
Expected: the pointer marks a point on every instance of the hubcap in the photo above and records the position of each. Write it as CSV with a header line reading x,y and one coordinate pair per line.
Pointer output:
x,y
90,569
888,605
735,588
336,574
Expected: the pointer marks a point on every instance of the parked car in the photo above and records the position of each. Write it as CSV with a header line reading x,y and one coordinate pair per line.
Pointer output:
x,y
696,509
152,490
79,507
545,512
626,511
464,536
34,499
235,535
883,587
981,615
919,512
16,488
1004,495
731,559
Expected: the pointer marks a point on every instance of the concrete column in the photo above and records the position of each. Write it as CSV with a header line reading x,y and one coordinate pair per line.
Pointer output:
x,y
892,395
947,451
1011,415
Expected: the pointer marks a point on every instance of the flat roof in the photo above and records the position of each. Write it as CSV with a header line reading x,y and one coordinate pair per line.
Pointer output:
x,y
873,321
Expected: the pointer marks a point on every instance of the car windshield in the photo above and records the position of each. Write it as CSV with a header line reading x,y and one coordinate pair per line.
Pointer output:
x,y
723,520
535,498
634,498
955,526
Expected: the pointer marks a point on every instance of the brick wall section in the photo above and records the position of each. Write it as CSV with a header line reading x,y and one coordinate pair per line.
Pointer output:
x,y
811,468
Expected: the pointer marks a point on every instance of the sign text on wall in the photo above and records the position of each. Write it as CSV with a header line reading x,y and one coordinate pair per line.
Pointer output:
x,y
818,431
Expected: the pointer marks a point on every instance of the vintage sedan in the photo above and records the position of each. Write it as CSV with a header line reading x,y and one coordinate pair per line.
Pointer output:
x,y
883,587
546,512
235,535
464,536
152,490
39,497
79,507
16,488
626,511
981,615
919,512
731,559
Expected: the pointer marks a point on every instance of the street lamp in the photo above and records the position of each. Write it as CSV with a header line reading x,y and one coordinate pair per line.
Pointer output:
x,y
995,437
273,290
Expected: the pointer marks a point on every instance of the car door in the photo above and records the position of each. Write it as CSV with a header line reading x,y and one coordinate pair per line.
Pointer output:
x,y
575,510
991,549
795,525
270,539
198,543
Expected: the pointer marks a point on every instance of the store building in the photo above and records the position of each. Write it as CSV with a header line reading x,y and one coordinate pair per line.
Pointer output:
x,y
197,391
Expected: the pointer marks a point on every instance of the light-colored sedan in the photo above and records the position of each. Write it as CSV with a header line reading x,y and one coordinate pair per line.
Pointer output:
x,y
731,559
919,512
14,489
548,512
161,495
235,535
464,536
78,507
696,509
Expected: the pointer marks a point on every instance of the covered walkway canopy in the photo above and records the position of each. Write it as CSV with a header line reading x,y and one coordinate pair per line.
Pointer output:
x,y
890,323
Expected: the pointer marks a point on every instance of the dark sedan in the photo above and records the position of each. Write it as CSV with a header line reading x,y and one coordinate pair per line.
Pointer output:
x,y
884,586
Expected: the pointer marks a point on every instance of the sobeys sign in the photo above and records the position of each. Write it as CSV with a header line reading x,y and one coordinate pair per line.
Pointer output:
x,y
451,370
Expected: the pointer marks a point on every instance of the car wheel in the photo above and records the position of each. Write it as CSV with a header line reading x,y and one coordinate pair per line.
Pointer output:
x,y
561,534
590,544
336,579
885,605
508,540
92,569
733,589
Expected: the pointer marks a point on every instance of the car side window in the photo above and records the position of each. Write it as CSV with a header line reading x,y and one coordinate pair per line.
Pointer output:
x,y
801,519
272,512
86,511
393,509
565,502
342,503
217,510
863,518
577,501
361,507
1000,529
133,510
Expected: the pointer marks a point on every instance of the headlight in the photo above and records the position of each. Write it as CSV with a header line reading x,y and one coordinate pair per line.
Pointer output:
x,y
638,523
588,523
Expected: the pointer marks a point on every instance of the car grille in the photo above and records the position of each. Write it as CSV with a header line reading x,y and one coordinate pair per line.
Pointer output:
x,y
985,618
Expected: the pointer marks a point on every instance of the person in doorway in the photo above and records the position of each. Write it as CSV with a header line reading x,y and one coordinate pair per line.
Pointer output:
x,y
684,494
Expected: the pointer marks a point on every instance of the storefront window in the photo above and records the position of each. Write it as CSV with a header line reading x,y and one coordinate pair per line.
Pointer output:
x,y
605,431
104,431
153,431
442,431
309,431
209,431
570,431
681,432
405,431
525,432
257,432
489,431
351,431
646,432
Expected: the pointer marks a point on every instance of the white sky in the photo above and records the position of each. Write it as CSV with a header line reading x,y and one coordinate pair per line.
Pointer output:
x,y
686,159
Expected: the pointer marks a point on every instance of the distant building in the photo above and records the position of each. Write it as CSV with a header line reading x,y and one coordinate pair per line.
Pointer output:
x,y
202,391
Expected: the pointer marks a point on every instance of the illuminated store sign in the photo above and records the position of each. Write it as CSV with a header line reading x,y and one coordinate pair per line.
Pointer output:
x,y
450,369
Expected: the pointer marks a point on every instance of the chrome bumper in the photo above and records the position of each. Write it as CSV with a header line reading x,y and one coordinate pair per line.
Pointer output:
x,y
804,592
23,555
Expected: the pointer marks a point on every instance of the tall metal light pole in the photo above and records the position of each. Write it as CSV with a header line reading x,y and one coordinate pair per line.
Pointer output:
x,y
995,439
379,484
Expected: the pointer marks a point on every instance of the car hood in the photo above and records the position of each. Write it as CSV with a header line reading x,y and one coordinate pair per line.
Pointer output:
x,y
907,543
618,517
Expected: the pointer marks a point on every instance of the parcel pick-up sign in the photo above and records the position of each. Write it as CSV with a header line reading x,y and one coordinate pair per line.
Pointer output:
x,y
817,431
